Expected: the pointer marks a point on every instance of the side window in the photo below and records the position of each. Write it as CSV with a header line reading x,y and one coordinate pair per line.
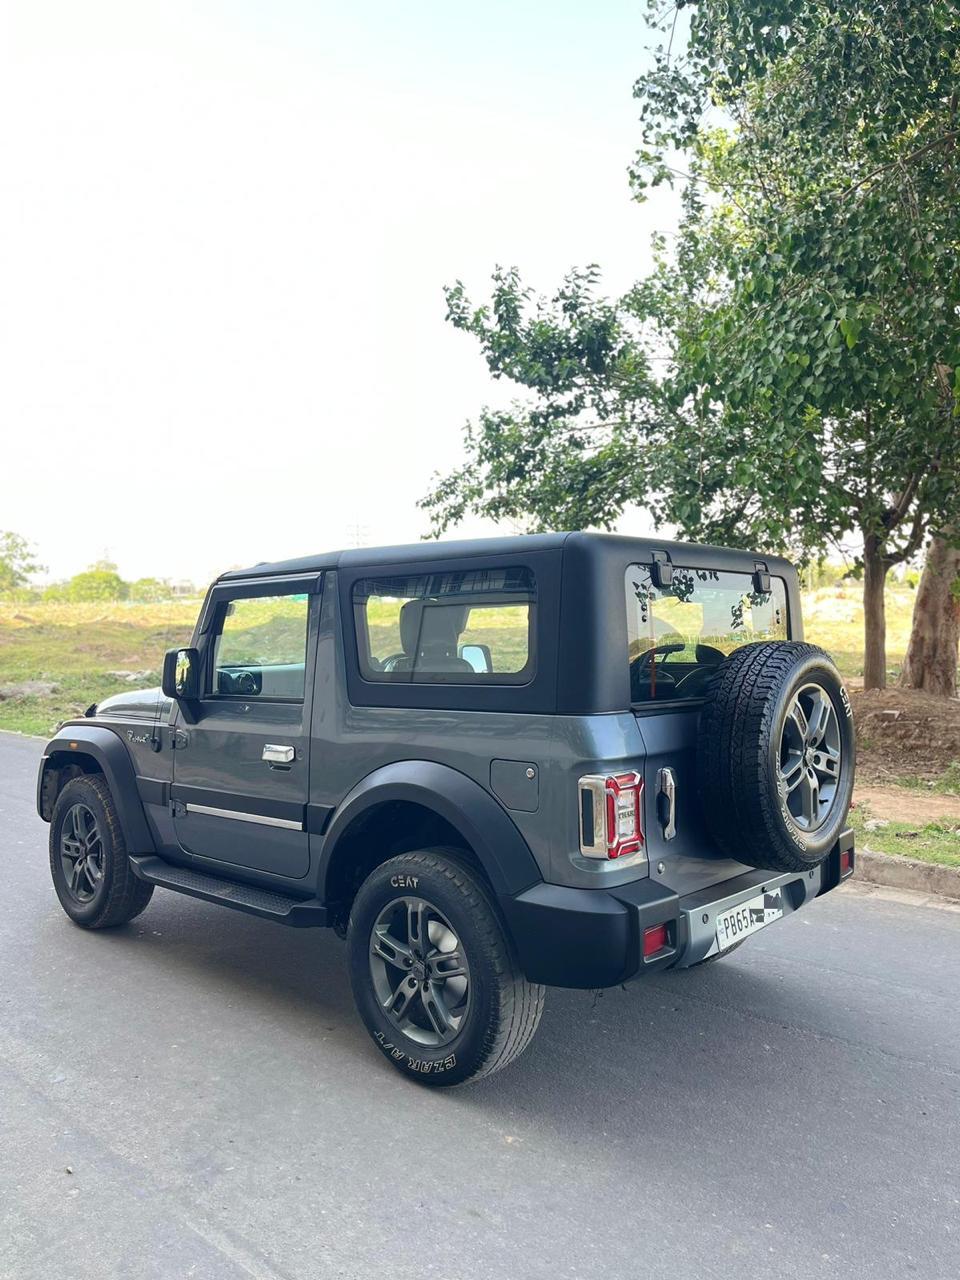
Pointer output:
x,y
260,647
463,627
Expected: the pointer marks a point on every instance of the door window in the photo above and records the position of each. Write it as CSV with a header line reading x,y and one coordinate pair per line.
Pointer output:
x,y
260,647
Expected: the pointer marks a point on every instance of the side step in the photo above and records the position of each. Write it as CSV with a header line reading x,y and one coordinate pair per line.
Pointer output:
x,y
266,903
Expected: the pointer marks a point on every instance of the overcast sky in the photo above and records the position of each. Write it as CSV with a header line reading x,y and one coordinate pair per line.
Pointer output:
x,y
224,232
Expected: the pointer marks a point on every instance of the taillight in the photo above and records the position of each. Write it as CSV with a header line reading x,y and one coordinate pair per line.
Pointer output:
x,y
611,815
655,939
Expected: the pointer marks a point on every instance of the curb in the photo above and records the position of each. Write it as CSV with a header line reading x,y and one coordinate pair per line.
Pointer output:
x,y
907,873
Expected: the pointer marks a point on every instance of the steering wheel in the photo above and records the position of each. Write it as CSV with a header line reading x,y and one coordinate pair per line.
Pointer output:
x,y
646,658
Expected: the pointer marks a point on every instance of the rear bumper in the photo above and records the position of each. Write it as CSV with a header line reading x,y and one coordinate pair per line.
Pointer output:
x,y
594,938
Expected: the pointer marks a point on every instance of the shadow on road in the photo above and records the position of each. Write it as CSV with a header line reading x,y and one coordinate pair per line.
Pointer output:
x,y
673,1038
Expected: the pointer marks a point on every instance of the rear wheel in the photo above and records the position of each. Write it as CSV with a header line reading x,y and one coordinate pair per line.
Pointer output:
x,y
434,976
88,857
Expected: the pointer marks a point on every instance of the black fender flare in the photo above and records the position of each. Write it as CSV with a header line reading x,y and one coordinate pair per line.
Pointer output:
x,y
107,749
480,819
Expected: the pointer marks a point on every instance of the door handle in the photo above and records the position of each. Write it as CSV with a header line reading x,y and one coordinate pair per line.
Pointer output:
x,y
275,753
667,802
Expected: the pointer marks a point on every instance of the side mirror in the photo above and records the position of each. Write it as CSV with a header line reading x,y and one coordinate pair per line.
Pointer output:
x,y
478,655
181,674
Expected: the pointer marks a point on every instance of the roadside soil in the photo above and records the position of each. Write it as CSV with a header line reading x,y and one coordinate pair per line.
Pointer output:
x,y
902,804
905,734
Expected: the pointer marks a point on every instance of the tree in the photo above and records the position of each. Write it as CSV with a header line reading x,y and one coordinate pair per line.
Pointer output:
x,y
835,212
931,661
150,590
17,562
807,312
96,584
567,458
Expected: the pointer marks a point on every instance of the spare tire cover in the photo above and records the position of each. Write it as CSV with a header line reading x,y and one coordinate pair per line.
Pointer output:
x,y
776,755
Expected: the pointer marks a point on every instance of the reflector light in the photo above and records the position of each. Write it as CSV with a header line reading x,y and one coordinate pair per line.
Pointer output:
x,y
655,939
611,817
846,862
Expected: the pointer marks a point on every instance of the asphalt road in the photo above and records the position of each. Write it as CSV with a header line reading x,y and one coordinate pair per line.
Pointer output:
x,y
193,1096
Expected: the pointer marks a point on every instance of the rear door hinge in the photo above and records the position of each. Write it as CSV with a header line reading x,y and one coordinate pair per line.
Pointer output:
x,y
761,578
661,570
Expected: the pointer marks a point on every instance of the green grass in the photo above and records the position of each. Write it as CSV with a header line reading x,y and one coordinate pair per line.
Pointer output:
x,y
833,618
937,842
74,646
947,784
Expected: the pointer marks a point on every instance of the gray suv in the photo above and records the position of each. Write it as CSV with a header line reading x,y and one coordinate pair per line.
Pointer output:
x,y
492,766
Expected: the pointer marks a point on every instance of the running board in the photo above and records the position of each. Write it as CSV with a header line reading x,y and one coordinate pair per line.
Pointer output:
x,y
265,903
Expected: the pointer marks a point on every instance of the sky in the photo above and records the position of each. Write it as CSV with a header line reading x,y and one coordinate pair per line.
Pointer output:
x,y
225,229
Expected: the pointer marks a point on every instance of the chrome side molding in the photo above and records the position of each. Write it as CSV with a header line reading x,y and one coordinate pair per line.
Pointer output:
x,y
287,823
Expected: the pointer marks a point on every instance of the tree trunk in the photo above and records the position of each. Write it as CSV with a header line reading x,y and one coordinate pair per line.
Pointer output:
x,y
931,661
874,615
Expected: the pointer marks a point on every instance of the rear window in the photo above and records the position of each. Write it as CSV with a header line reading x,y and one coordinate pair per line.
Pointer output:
x,y
678,634
464,627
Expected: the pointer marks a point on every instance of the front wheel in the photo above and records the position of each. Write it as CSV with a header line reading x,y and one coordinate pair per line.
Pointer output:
x,y
434,976
88,857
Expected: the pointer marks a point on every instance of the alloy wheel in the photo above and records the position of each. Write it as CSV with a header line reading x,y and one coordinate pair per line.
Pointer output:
x,y
810,757
420,972
81,852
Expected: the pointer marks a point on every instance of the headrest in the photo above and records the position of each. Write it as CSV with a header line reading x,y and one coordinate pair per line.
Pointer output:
x,y
426,625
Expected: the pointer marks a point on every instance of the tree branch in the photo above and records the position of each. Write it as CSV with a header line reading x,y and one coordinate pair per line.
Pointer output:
x,y
902,160
893,516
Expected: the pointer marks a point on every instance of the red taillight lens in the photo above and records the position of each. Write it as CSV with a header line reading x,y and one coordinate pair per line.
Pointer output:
x,y
611,815
846,862
655,939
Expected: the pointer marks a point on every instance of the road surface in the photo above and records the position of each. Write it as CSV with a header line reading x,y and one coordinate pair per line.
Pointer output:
x,y
193,1096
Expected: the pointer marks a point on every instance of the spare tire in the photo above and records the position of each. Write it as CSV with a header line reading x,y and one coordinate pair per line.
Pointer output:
x,y
776,755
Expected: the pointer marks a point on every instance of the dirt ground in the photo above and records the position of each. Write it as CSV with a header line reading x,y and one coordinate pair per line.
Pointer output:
x,y
901,735
897,804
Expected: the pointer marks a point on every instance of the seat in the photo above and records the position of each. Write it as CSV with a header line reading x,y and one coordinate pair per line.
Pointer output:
x,y
429,635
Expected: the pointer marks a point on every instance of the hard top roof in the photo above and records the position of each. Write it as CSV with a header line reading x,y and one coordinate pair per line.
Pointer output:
x,y
518,544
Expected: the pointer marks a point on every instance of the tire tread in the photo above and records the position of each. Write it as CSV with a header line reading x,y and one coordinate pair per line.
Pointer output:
x,y
126,895
735,728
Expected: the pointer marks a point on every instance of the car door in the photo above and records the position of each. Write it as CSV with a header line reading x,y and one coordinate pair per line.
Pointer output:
x,y
241,764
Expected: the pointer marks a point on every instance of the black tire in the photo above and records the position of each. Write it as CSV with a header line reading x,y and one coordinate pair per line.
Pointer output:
x,y
772,797
495,1010
108,893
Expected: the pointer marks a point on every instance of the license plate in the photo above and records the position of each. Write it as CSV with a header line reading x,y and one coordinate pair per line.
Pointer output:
x,y
756,913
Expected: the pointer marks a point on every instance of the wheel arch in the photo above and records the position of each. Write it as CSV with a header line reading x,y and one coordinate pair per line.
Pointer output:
x,y
419,804
80,749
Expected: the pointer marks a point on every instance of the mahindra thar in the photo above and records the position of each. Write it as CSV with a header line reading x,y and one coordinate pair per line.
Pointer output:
x,y
491,766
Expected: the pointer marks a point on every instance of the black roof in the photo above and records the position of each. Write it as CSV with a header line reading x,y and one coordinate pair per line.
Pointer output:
x,y
519,544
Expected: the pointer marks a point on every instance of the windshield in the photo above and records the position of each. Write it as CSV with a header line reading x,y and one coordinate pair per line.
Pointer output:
x,y
678,634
